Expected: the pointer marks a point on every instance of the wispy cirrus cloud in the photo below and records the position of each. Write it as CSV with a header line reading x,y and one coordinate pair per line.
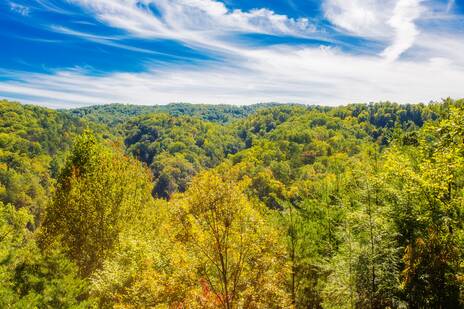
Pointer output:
x,y
402,21
204,22
19,9
363,18
113,41
283,74
450,5
249,71
387,20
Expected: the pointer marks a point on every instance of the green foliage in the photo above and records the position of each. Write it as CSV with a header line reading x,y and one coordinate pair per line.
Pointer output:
x,y
177,148
427,190
98,192
209,247
237,253
358,206
31,142
114,114
30,278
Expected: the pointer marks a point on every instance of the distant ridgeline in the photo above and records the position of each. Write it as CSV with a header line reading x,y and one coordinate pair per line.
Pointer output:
x,y
219,206
112,114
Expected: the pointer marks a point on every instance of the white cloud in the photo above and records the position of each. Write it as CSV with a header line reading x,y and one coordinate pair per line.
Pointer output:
x,y
201,24
20,9
450,5
433,69
440,45
389,21
284,74
406,11
366,18
108,41
194,21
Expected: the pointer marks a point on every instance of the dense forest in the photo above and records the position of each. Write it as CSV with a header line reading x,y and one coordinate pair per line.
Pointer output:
x,y
215,206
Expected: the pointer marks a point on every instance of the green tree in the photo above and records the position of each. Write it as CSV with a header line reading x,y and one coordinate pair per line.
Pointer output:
x,y
30,279
99,191
426,189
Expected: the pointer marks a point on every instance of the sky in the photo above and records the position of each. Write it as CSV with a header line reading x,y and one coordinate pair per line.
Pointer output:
x,y
72,53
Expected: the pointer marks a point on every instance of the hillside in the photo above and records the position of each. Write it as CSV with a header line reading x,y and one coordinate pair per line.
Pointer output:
x,y
205,206
114,114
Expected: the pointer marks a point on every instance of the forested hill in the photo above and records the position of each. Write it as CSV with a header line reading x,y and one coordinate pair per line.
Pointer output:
x,y
33,141
113,114
204,206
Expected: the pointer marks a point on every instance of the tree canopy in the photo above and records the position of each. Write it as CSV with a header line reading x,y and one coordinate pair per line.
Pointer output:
x,y
198,206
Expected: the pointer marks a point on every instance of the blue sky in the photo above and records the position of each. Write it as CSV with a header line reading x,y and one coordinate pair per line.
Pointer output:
x,y
73,53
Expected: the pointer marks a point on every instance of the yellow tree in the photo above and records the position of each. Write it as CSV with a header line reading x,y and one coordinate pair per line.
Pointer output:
x,y
239,258
149,267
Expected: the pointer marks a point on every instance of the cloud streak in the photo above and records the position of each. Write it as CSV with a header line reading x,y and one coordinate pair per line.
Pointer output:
x,y
405,12
392,22
112,41
247,73
20,9
305,75
197,22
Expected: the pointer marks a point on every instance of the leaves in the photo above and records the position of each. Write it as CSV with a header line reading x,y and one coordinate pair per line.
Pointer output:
x,y
357,206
